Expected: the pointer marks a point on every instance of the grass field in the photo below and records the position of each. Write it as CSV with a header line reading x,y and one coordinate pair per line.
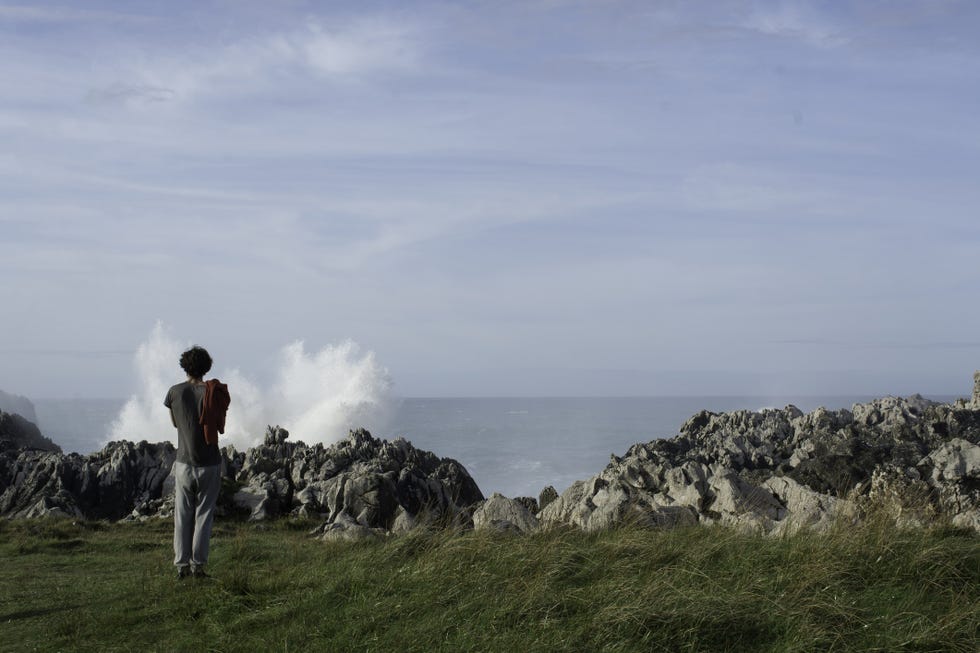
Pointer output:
x,y
68,586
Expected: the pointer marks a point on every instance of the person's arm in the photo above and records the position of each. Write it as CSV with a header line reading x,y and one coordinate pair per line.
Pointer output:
x,y
169,403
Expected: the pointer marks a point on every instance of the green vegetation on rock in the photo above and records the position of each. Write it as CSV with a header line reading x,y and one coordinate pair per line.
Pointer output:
x,y
90,586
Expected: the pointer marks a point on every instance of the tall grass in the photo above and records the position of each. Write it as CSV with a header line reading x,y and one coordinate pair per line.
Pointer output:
x,y
94,587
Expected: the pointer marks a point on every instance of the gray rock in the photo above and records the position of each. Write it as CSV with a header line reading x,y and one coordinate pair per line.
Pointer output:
x,y
500,513
546,496
687,485
734,500
772,470
256,501
954,470
345,528
600,503
376,483
804,507
108,484
902,495
58,505
405,521
373,483
967,519
528,502
954,461
778,470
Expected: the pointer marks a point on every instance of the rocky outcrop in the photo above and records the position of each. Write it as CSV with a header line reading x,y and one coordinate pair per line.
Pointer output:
x,y
546,496
782,469
359,486
104,485
358,483
17,432
773,470
500,513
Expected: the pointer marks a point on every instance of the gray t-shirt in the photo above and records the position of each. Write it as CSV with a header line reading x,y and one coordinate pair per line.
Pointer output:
x,y
185,399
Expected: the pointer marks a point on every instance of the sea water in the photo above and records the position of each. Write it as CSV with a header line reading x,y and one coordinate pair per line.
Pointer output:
x,y
515,446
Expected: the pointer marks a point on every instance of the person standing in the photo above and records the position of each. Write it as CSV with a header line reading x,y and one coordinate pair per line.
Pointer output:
x,y
197,410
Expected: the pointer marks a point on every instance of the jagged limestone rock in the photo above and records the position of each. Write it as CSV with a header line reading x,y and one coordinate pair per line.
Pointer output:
x,y
736,501
546,496
772,470
500,513
804,508
954,461
778,470
687,485
376,483
107,484
345,528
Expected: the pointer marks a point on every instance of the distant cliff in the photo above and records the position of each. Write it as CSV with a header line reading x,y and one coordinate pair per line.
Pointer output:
x,y
16,404
16,432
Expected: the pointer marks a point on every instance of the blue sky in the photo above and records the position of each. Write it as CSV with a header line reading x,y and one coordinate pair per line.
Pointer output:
x,y
497,198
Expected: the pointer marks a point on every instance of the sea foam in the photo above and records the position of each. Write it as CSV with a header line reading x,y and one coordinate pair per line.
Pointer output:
x,y
317,396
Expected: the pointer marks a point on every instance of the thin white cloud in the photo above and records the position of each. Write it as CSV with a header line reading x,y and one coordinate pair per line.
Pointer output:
x,y
364,47
795,20
342,172
348,53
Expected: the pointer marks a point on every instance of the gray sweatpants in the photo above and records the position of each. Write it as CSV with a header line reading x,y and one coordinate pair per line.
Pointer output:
x,y
196,490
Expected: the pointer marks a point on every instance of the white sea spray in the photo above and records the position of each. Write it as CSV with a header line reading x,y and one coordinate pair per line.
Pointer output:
x,y
318,396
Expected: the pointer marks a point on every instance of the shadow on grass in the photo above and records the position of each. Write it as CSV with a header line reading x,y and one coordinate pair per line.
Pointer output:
x,y
37,612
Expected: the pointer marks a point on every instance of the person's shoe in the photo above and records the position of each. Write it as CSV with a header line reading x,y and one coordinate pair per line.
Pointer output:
x,y
183,572
199,573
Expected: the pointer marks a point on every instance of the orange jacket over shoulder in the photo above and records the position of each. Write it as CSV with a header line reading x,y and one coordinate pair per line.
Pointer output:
x,y
213,409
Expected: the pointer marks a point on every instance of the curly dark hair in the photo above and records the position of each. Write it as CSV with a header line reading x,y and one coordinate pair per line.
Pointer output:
x,y
196,361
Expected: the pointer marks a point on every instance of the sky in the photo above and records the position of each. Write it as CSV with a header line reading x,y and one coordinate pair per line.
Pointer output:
x,y
496,198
